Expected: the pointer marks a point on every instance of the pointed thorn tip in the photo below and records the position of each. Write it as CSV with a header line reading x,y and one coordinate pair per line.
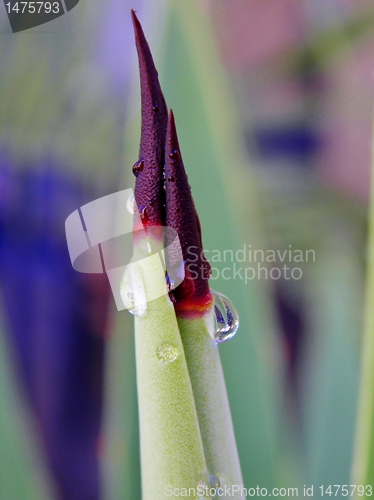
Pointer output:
x,y
172,136
134,16
137,26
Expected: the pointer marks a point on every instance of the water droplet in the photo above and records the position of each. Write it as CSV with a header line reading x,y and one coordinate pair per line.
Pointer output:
x,y
132,291
130,204
145,247
138,167
226,318
169,283
175,275
209,486
174,155
167,353
214,481
171,178
144,214
207,270
155,107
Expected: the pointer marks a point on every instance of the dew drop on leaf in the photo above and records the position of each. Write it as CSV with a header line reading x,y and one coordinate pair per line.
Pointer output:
x,y
208,486
145,247
138,167
175,276
132,291
130,204
226,318
174,155
167,353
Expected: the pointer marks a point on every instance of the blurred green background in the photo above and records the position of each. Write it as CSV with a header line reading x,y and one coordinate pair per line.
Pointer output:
x,y
273,104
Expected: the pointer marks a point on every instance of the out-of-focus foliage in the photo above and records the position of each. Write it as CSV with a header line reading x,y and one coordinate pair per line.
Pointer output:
x,y
273,107
22,471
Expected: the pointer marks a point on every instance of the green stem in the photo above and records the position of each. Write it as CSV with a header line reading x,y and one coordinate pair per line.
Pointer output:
x,y
172,454
211,400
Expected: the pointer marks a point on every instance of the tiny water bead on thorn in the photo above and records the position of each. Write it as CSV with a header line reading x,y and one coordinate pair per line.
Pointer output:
x,y
138,167
167,353
226,318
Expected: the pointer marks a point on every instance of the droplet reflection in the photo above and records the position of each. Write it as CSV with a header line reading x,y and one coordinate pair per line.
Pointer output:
x,y
209,486
226,317
167,353
132,291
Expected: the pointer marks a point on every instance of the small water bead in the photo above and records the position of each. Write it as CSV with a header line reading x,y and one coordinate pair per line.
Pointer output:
x,y
167,353
207,270
174,155
132,291
209,486
138,167
171,178
130,204
214,481
144,213
226,318
145,247
169,283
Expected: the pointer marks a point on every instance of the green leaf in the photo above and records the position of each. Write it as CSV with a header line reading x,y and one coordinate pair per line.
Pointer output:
x,y
22,471
211,401
172,453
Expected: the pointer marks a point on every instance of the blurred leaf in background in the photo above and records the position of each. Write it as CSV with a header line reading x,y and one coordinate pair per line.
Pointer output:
x,y
301,71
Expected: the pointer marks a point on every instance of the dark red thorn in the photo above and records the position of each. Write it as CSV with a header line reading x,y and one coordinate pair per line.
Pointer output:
x,y
149,193
181,215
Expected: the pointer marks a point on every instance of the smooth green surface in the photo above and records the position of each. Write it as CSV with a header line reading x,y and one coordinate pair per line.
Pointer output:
x,y
172,454
212,406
